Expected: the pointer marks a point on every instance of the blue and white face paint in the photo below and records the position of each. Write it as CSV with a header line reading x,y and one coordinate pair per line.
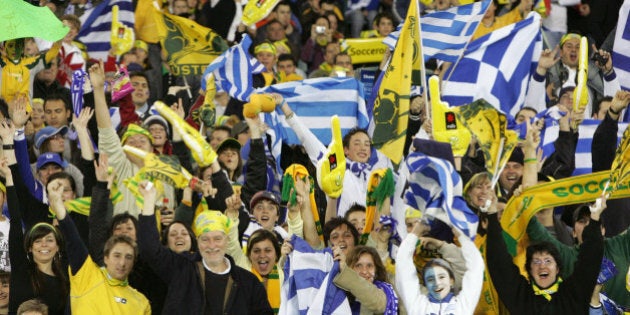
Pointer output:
x,y
438,282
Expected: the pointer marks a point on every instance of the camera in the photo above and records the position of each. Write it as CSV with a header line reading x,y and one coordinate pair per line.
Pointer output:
x,y
599,58
320,29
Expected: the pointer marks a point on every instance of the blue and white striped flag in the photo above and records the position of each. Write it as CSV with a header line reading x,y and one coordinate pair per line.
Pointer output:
x,y
308,286
233,70
583,162
315,101
621,48
446,33
96,26
497,67
435,186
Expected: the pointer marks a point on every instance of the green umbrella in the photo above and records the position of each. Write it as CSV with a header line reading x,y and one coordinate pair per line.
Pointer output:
x,y
19,19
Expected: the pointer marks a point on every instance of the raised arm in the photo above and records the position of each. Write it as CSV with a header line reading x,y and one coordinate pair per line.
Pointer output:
x,y
314,148
256,175
407,281
97,78
162,259
76,250
100,211
19,118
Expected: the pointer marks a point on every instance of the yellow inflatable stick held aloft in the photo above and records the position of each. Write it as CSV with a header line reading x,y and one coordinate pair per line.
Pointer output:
x,y
122,36
580,94
256,10
259,103
199,148
332,167
446,127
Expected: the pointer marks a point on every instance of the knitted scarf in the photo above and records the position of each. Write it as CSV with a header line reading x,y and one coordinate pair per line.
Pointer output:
x,y
546,293
391,307
380,186
299,172
272,286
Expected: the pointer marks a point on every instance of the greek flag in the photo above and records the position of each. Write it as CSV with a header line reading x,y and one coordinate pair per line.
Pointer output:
x,y
96,29
435,186
315,101
308,286
497,67
621,48
446,33
233,70
583,162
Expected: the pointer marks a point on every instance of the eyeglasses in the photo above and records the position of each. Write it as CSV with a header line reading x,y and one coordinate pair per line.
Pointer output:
x,y
543,262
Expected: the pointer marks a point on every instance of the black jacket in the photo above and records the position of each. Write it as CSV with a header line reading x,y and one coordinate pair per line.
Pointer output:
x,y
516,291
181,273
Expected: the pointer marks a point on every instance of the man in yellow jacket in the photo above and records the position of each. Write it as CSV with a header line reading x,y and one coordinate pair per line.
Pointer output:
x,y
94,289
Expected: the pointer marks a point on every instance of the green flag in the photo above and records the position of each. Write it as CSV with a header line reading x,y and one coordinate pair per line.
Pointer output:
x,y
19,19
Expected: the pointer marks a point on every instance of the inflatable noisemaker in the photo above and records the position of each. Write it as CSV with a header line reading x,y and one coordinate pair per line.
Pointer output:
x,y
121,36
259,103
293,173
256,10
580,93
199,148
380,186
446,127
332,167
121,86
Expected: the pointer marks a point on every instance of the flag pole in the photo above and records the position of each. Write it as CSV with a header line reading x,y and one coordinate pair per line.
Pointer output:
x,y
495,176
423,70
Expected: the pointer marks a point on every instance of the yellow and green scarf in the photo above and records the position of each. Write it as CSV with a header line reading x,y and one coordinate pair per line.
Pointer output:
x,y
546,293
380,186
272,286
299,172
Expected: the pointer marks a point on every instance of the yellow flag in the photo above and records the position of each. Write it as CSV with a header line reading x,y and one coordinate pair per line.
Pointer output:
x,y
568,191
189,46
147,16
391,106
490,128
620,169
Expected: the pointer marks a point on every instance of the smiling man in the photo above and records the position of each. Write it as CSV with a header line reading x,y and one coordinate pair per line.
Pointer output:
x,y
207,282
95,290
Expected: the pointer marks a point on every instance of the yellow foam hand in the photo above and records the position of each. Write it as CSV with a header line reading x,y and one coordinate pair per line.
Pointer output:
x,y
446,127
199,148
122,36
332,166
580,94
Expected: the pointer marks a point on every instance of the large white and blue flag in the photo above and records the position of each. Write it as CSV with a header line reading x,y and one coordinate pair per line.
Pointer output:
x,y
621,48
446,33
436,187
308,287
583,162
233,70
96,26
315,101
496,67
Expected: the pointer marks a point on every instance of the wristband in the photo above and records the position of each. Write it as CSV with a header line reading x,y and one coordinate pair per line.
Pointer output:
x,y
612,111
530,160
8,147
193,182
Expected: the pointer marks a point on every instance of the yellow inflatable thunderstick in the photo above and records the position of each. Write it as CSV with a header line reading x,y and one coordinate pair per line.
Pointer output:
x,y
580,94
199,148
259,103
446,127
332,167
121,36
